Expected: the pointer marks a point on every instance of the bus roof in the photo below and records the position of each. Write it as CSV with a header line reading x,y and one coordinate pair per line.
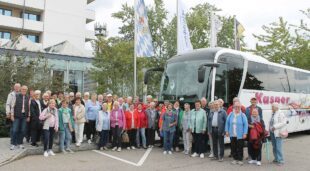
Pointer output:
x,y
210,53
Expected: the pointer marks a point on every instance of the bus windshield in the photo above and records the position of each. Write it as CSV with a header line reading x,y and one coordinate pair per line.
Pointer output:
x,y
180,82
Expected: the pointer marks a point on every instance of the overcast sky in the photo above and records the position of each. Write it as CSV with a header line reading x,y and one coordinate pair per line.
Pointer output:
x,y
252,14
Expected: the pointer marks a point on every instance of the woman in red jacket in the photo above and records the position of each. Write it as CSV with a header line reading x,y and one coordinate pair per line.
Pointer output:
x,y
131,126
142,125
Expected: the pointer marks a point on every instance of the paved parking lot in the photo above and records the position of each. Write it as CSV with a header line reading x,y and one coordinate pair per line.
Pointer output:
x,y
296,152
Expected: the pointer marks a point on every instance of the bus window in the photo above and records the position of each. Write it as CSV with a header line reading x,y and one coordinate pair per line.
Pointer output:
x,y
221,82
233,76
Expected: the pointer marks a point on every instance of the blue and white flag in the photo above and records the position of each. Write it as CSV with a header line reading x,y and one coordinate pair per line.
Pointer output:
x,y
184,42
143,39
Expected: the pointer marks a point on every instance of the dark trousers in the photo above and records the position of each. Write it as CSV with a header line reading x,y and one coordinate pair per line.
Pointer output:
x,y
150,136
218,139
28,132
237,148
198,143
104,137
256,154
117,136
35,135
73,137
176,138
132,137
48,138
90,129
19,130
206,143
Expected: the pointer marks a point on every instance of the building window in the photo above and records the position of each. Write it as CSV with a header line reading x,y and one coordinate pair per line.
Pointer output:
x,y
30,16
33,38
5,35
5,12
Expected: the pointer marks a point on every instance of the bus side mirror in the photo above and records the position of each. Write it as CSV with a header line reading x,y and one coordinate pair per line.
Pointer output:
x,y
147,74
201,74
146,78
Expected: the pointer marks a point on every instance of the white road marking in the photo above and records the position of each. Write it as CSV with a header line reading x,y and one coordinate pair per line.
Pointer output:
x,y
140,163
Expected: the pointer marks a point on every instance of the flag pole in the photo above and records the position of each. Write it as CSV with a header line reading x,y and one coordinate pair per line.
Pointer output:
x,y
135,55
178,25
235,32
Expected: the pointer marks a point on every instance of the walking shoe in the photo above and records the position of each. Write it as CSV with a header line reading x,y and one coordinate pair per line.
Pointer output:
x,y
105,148
45,154
165,152
258,163
64,152
202,155
78,144
21,147
240,163
119,149
133,147
186,152
234,162
215,158
128,148
51,153
177,149
89,141
69,150
211,155
220,160
280,163
252,162
115,148
12,147
195,155
144,147
169,152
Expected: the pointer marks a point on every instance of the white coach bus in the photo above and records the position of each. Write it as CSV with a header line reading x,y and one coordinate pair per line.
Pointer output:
x,y
224,73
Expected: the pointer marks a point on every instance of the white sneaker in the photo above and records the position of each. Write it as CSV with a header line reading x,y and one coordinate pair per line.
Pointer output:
x,y
21,147
78,144
115,148
177,149
165,152
234,162
128,148
12,147
169,152
195,155
132,147
119,149
202,155
211,155
50,152
258,163
45,154
69,150
89,141
252,162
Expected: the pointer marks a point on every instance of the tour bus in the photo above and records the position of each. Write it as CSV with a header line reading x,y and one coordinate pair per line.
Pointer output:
x,y
216,73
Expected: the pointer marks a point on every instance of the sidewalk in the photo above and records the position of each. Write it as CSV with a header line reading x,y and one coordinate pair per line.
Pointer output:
x,y
7,155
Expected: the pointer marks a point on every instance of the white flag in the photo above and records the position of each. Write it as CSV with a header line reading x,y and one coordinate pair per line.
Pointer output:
x,y
216,27
184,42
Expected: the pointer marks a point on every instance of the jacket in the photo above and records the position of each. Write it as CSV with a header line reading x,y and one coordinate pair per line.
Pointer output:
x,y
279,123
120,118
198,121
10,102
91,110
230,109
128,116
242,125
35,114
18,105
221,121
142,119
179,116
103,121
46,121
248,112
79,113
152,118
169,118
60,120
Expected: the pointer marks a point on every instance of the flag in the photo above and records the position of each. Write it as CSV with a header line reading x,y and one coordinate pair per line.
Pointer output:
x,y
143,39
184,42
216,27
239,29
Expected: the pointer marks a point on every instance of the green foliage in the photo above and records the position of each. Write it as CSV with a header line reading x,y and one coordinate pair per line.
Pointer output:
x,y
285,43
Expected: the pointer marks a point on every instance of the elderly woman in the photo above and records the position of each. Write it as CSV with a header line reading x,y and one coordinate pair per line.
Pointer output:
x,y
35,124
79,118
277,126
237,129
256,136
152,116
92,109
103,126
142,125
118,123
169,126
131,126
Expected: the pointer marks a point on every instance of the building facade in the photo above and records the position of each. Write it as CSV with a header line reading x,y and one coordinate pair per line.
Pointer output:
x,y
47,22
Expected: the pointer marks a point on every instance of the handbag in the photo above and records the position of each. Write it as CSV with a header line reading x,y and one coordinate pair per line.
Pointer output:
x,y
125,137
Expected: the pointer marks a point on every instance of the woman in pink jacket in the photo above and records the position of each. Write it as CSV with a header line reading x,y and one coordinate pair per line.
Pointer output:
x,y
118,123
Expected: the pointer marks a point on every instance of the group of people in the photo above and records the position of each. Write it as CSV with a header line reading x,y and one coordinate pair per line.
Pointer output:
x,y
129,123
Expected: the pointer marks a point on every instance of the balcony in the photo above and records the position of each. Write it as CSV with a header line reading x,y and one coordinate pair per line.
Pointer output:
x,y
90,15
31,5
89,35
15,23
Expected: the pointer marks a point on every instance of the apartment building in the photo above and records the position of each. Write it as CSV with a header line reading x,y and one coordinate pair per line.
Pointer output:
x,y
47,22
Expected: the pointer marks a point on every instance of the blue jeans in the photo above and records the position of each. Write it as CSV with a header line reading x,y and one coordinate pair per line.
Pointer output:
x,y
19,130
65,138
141,132
104,137
277,148
168,140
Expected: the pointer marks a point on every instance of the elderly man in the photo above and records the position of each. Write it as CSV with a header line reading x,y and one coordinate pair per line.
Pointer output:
x,y
86,97
71,95
216,128
9,106
19,117
35,125
221,103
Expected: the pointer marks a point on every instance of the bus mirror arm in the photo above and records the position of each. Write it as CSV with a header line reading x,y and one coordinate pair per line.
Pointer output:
x,y
202,70
147,73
